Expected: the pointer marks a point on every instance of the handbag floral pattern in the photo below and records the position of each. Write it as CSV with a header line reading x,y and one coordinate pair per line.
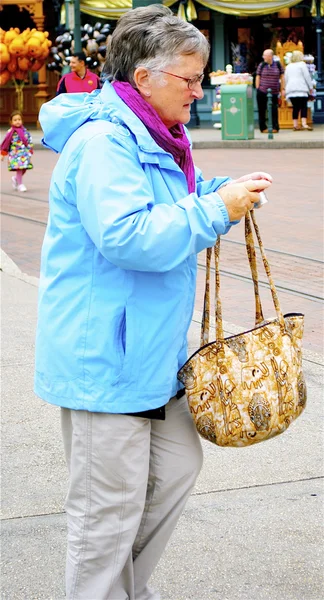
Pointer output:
x,y
248,387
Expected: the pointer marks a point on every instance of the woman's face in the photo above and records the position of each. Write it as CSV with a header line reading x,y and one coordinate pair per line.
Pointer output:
x,y
173,100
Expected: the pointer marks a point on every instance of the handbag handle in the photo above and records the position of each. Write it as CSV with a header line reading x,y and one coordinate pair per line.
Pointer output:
x,y
250,248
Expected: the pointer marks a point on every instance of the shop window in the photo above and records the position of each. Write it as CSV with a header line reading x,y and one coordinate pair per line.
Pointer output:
x,y
284,13
204,15
297,12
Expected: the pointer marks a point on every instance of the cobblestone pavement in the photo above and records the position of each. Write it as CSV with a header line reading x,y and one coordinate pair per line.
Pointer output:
x,y
291,225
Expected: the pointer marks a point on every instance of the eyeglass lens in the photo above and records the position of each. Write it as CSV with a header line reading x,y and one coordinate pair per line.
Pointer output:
x,y
192,82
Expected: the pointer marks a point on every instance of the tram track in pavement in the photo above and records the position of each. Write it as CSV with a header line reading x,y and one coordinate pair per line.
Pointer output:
x,y
276,251
234,274
265,284
8,214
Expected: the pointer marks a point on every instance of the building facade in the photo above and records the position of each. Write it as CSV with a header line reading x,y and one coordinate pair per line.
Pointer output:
x,y
238,31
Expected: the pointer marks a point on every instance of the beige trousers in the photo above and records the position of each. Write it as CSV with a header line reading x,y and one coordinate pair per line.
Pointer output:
x,y
129,481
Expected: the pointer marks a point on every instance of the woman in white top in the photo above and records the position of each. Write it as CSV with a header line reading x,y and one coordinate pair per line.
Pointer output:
x,y
298,86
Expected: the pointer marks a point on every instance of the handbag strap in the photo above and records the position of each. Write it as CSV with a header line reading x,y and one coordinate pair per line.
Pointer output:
x,y
267,269
250,247
204,334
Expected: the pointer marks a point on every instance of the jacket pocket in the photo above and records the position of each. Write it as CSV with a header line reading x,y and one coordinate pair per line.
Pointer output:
x,y
128,354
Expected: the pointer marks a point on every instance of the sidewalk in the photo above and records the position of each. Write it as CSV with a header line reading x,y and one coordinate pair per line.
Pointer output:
x,y
253,527
207,136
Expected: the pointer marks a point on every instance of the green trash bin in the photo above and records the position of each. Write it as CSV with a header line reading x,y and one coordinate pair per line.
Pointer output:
x,y
237,112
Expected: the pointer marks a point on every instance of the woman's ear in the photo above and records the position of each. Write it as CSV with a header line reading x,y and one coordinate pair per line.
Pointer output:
x,y
142,81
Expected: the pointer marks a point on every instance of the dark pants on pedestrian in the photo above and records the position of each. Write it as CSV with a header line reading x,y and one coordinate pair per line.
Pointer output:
x,y
299,106
262,101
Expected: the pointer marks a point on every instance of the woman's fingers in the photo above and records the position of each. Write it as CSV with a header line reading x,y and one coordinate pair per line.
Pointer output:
x,y
255,175
257,185
254,198
241,197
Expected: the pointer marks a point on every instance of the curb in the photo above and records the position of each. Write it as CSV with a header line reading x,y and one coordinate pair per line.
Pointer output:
x,y
9,267
258,144
238,144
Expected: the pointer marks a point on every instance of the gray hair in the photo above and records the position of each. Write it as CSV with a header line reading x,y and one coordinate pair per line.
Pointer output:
x,y
150,37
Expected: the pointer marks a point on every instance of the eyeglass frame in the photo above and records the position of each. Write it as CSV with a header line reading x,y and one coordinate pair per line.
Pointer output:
x,y
189,80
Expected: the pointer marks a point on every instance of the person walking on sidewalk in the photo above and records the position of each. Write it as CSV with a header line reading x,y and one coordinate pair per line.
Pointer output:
x,y
299,86
80,79
270,74
128,214
17,145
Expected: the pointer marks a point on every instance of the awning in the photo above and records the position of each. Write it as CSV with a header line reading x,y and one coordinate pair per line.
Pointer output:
x,y
105,9
113,9
245,8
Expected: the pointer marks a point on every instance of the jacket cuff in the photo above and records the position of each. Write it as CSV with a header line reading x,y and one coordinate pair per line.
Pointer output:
x,y
222,207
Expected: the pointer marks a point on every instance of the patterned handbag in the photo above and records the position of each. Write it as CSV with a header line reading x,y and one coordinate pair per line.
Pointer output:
x,y
249,387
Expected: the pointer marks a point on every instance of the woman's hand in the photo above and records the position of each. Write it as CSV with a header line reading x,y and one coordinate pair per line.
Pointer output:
x,y
239,197
255,175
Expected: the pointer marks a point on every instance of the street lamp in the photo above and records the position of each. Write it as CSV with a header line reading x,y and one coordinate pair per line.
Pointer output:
x,y
318,115
73,21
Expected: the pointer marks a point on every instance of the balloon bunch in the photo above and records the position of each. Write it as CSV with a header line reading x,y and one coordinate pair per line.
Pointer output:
x,y
94,44
22,52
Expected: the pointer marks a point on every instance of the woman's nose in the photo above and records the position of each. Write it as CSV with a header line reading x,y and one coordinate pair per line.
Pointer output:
x,y
197,91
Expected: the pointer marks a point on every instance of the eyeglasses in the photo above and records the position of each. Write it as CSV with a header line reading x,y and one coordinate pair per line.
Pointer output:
x,y
192,82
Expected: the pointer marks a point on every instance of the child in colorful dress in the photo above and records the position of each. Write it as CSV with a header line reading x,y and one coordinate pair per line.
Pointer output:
x,y
18,145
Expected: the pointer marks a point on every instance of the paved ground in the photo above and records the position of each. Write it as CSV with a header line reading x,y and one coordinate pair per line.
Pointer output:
x,y
292,223
208,137
253,527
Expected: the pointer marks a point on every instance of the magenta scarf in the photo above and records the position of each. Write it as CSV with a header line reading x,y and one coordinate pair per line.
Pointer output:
x,y
172,140
8,138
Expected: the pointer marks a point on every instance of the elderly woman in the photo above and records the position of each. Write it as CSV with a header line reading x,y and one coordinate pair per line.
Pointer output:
x,y
298,87
128,214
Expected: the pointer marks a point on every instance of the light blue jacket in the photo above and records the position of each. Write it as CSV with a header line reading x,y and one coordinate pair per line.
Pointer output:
x,y
118,268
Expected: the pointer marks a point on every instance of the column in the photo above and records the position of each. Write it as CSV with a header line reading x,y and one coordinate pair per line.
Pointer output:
x,y
42,87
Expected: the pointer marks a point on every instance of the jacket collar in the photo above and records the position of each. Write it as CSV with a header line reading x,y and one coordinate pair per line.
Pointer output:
x,y
119,112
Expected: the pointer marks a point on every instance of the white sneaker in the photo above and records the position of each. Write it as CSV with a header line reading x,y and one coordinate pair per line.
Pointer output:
x,y
14,182
22,188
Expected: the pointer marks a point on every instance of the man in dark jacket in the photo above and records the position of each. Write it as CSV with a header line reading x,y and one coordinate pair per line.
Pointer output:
x,y
270,74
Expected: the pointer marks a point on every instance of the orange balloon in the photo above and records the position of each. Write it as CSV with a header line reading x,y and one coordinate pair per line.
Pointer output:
x,y
26,34
34,47
40,35
19,74
36,65
4,77
4,54
17,47
23,63
45,54
10,35
12,65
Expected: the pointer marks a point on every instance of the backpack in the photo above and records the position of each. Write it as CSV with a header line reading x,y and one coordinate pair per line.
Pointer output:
x,y
277,63
264,64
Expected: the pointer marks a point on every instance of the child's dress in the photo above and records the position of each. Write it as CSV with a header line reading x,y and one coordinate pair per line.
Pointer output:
x,y
19,153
